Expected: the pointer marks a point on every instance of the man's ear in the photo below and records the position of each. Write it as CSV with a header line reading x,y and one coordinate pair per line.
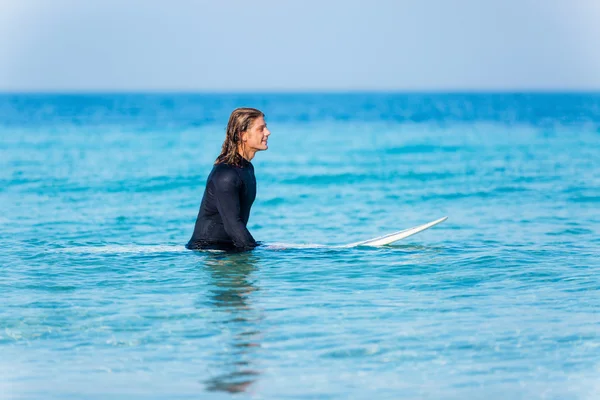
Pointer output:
x,y
244,135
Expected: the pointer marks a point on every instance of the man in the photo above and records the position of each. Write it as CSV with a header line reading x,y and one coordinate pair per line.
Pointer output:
x,y
231,186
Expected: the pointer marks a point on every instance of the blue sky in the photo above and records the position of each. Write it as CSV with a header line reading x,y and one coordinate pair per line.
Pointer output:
x,y
270,45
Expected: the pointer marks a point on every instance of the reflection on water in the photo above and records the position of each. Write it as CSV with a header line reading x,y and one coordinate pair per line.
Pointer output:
x,y
232,287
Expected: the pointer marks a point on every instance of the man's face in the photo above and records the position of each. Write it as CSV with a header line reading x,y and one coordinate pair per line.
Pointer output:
x,y
257,135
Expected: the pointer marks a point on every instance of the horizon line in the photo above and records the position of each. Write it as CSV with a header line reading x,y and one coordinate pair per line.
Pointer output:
x,y
299,91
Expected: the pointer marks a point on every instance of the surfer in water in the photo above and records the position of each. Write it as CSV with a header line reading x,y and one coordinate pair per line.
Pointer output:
x,y
231,186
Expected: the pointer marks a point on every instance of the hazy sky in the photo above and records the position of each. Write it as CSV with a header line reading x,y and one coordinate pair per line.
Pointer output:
x,y
228,45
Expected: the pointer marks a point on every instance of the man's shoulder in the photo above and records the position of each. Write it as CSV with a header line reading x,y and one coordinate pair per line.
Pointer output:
x,y
225,174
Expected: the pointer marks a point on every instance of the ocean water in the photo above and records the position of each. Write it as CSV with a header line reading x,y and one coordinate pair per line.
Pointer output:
x,y
100,300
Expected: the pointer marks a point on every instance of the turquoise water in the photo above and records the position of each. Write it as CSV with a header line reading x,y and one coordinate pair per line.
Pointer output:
x,y
100,300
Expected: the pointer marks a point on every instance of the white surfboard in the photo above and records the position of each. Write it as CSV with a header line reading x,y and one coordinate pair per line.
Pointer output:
x,y
394,237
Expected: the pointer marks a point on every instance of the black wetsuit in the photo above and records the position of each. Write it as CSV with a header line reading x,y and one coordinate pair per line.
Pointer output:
x,y
225,209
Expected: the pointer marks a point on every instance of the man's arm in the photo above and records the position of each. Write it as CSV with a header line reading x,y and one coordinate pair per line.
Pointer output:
x,y
227,193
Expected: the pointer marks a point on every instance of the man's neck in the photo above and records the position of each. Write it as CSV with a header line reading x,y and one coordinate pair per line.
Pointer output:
x,y
248,156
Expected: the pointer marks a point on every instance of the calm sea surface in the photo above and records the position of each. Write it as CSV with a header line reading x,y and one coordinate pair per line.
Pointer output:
x,y
100,300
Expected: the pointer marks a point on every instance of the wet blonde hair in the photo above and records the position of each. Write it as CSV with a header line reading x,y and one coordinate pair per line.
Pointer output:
x,y
240,120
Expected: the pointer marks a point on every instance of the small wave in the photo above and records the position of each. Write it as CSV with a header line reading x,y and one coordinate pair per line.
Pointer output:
x,y
151,249
286,246
422,148
346,178
585,199
119,249
572,231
